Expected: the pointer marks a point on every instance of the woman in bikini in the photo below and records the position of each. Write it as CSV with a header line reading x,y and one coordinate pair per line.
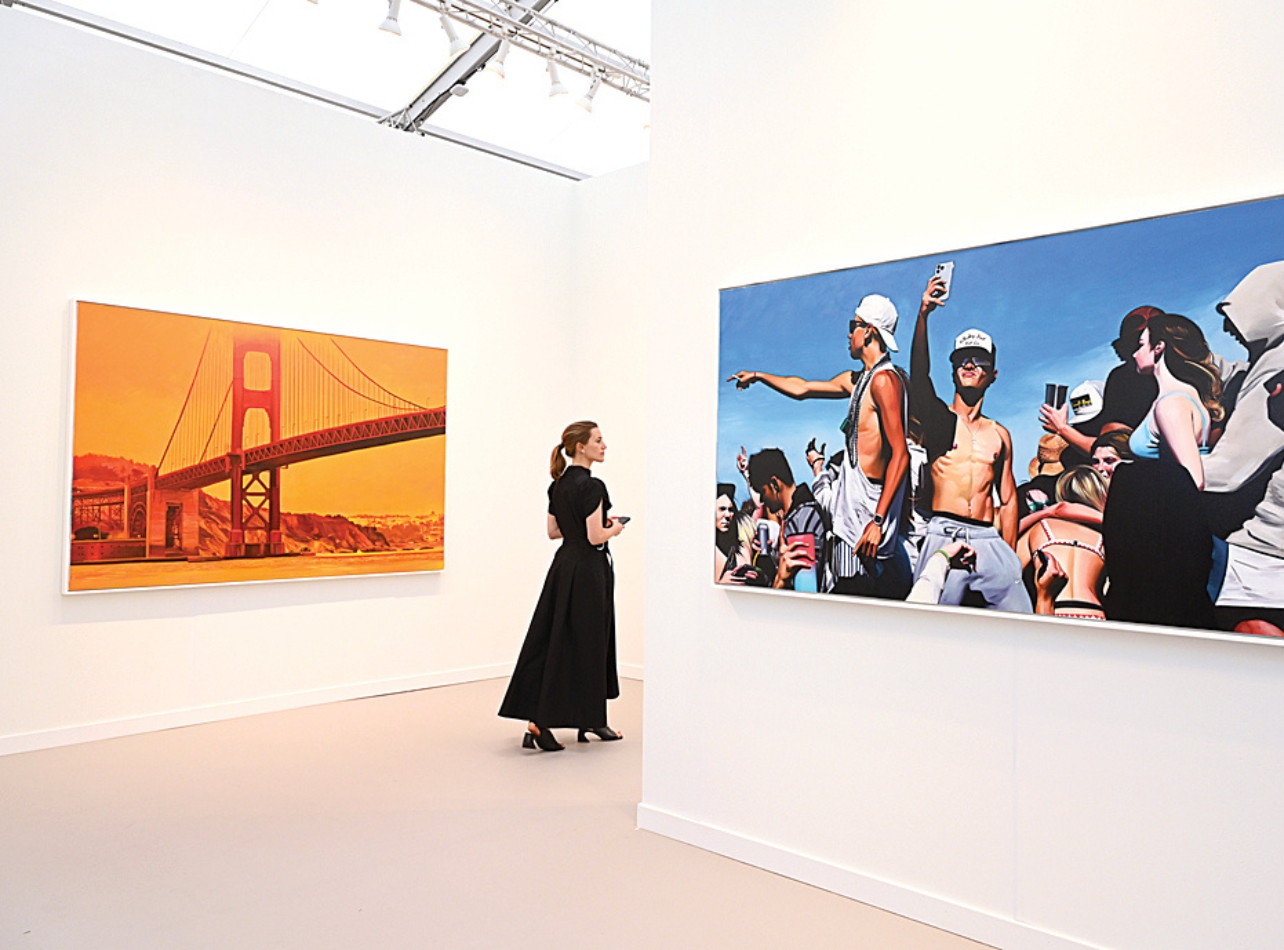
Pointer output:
x,y
1157,539
1072,542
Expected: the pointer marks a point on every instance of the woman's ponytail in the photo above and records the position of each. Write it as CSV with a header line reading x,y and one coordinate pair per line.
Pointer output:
x,y
575,434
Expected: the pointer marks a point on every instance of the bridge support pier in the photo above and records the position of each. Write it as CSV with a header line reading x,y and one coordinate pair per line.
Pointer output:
x,y
256,510
256,496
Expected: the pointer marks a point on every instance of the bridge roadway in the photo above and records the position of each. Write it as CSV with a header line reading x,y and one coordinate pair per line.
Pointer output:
x,y
310,445
298,448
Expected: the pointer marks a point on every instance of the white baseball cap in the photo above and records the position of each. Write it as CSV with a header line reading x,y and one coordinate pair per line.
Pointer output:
x,y
974,340
880,313
1086,400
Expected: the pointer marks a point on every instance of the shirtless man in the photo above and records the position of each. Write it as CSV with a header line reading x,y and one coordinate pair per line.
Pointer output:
x,y
970,455
864,495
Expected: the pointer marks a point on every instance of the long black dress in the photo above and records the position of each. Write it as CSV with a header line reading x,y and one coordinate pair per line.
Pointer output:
x,y
566,670
1159,546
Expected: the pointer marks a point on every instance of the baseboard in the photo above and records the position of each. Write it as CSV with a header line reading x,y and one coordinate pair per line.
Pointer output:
x,y
936,912
631,671
154,722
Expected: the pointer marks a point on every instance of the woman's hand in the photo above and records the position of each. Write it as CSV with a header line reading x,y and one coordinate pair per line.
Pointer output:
x,y
744,379
1049,580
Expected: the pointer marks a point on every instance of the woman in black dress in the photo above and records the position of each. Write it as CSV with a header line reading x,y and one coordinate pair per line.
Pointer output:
x,y
1158,541
566,670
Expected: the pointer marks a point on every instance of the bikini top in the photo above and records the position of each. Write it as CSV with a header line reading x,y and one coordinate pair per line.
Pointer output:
x,y
1144,441
1098,549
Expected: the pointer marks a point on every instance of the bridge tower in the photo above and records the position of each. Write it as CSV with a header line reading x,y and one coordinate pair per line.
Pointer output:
x,y
256,496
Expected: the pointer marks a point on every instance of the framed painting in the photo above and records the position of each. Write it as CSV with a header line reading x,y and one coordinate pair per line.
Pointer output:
x,y
205,451
1087,425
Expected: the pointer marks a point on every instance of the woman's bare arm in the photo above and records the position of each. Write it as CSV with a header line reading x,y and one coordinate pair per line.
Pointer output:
x,y
554,531
1066,511
598,534
1178,424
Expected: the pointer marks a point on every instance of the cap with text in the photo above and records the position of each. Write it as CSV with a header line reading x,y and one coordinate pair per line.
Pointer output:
x,y
973,340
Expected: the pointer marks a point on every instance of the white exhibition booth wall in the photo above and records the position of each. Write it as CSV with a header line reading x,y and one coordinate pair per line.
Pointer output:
x,y
1029,784
135,178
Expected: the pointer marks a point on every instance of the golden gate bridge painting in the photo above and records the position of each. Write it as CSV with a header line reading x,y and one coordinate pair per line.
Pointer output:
x,y
206,451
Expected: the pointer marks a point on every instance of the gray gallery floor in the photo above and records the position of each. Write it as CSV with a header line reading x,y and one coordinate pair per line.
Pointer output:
x,y
411,820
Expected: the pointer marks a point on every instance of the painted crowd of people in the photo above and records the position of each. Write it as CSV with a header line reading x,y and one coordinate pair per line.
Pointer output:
x,y
1156,496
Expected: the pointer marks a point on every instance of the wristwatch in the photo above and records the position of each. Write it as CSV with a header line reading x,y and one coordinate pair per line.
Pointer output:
x,y
879,519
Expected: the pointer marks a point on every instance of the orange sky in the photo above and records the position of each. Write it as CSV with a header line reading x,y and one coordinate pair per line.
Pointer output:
x,y
133,368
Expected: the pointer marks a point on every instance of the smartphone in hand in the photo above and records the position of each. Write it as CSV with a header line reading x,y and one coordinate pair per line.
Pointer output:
x,y
945,271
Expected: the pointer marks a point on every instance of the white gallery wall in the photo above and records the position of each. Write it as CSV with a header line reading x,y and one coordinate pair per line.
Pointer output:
x,y
606,373
1028,784
134,178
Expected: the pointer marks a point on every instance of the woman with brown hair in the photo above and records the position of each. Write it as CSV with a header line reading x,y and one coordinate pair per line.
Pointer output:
x,y
1158,543
566,669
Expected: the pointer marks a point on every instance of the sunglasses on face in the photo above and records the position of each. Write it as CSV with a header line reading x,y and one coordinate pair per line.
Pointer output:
x,y
854,325
979,362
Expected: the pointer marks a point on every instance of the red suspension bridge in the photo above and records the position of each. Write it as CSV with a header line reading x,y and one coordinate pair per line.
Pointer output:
x,y
259,400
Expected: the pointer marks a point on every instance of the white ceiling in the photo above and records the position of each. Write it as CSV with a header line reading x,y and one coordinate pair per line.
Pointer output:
x,y
336,46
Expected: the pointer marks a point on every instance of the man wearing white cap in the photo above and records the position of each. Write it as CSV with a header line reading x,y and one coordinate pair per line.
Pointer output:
x,y
864,495
970,455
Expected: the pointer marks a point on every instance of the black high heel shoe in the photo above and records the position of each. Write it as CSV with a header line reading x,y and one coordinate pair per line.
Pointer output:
x,y
544,741
605,733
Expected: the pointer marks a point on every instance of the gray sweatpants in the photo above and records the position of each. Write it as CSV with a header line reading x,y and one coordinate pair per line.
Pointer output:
x,y
997,577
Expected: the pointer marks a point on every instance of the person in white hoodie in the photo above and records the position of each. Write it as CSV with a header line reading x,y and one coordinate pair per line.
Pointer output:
x,y
1243,478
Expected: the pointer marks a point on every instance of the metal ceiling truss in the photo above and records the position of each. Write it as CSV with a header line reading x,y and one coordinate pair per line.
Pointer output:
x,y
523,25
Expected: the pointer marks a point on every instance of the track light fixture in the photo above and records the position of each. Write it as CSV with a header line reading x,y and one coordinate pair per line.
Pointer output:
x,y
555,80
456,44
586,103
390,23
496,63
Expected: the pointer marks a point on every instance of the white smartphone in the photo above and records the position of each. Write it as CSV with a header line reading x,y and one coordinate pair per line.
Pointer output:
x,y
945,271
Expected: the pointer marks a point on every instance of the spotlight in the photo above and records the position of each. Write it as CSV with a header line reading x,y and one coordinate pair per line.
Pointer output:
x,y
587,102
555,88
456,44
496,62
390,23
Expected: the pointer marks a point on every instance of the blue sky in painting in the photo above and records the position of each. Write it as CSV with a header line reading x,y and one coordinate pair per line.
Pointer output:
x,y
1052,305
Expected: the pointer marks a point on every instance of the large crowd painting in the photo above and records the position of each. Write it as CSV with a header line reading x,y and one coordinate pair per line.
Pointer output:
x,y
1087,425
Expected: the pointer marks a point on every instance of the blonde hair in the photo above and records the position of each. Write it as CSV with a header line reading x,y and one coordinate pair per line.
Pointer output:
x,y
1084,485
574,435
